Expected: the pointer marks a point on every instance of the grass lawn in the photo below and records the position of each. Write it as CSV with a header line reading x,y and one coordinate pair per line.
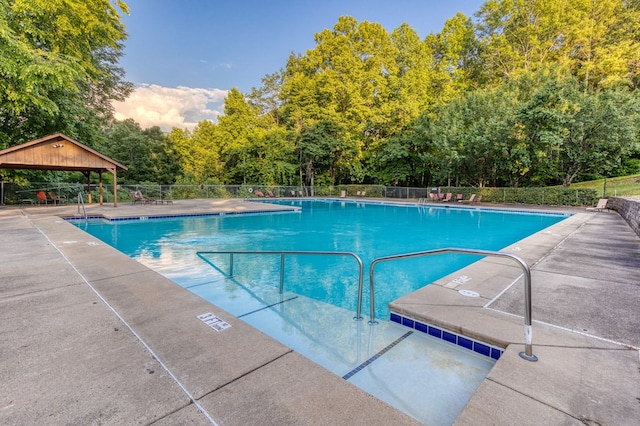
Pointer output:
x,y
622,186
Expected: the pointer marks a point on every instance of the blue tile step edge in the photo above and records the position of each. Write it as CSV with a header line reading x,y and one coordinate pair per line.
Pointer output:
x,y
481,348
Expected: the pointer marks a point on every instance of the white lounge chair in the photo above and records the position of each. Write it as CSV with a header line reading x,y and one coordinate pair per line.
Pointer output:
x,y
470,200
602,205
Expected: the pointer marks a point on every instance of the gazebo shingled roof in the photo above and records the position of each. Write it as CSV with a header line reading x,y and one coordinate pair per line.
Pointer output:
x,y
60,152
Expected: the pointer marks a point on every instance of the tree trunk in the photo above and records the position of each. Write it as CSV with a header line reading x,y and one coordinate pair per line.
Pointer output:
x,y
308,178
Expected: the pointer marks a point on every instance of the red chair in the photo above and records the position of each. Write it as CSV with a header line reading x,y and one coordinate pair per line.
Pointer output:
x,y
42,197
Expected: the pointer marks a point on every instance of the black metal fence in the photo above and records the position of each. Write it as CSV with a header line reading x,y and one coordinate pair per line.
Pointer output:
x,y
26,193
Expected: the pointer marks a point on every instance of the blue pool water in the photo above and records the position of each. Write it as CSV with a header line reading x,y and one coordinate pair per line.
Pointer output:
x,y
369,230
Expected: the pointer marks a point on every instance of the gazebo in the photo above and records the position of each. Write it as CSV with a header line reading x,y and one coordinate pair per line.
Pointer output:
x,y
60,152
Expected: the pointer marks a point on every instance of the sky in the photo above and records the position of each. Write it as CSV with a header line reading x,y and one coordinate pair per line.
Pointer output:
x,y
184,56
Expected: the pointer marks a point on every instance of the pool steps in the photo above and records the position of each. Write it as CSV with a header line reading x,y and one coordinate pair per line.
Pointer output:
x,y
489,351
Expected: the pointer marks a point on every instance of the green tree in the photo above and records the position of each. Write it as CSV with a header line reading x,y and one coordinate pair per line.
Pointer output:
x,y
477,127
457,57
579,133
604,37
239,122
272,157
148,154
411,88
165,159
476,138
595,41
521,35
199,154
59,61
205,156
400,160
180,139
267,97
321,150
369,83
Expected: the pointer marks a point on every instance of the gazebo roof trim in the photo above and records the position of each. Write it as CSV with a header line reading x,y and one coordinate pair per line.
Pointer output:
x,y
53,138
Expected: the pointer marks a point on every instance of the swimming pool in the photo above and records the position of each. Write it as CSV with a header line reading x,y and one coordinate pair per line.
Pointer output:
x,y
369,230
314,314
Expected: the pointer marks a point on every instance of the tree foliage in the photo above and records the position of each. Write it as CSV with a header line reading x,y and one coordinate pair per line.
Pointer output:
x,y
527,92
149,155
578,133
595,41
59,62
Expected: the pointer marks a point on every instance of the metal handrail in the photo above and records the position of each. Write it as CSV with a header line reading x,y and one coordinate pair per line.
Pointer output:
x,y
528,332
81,202
282,257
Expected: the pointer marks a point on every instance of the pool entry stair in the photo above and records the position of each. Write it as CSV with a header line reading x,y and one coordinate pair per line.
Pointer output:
x,y
389,348
384,360
527,354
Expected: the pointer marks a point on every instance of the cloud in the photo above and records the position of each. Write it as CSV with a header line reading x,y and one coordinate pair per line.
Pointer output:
x,y
169,107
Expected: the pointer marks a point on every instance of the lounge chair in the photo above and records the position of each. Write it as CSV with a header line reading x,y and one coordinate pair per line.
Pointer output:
x,y
602,205
258,193
149,200
137,196
56,198
470,200
42,197
478,199
270,194
447,198
459,197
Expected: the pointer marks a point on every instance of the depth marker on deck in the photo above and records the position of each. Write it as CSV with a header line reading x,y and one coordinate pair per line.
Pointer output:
x,y
214,322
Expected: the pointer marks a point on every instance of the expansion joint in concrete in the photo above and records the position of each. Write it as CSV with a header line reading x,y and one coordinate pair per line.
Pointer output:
x,y
533,399
247,373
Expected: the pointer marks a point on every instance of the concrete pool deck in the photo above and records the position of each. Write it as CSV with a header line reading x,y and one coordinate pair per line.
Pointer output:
x,y
91,336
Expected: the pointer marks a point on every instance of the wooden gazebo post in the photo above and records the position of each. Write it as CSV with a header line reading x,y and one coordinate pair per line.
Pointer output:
x,y
100,185
88,176
115,187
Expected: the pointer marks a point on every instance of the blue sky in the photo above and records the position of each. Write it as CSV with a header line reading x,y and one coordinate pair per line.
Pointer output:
x,y
183,56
